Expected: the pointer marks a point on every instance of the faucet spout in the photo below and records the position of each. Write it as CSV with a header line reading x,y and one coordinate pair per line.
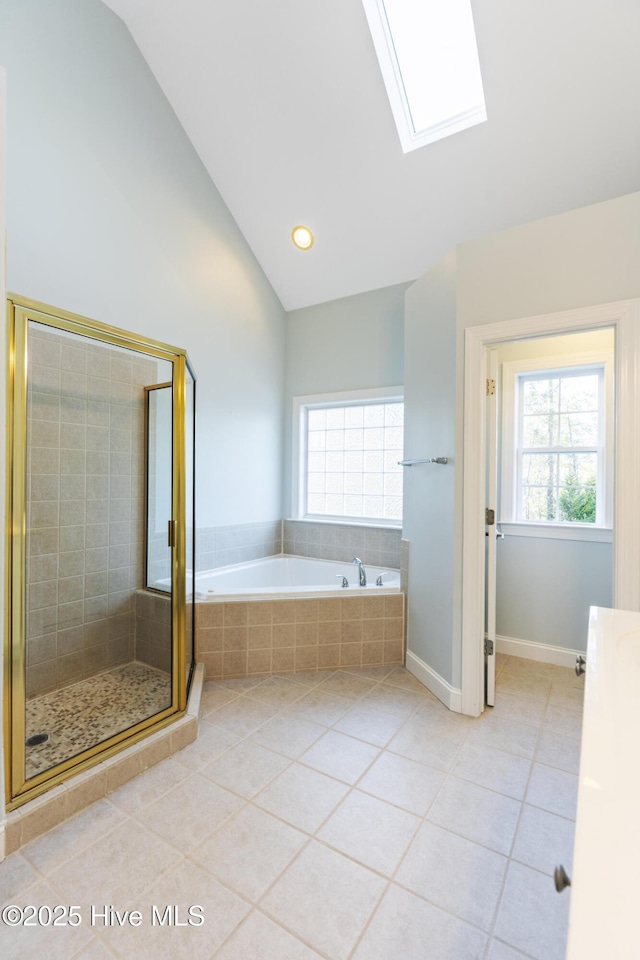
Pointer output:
x,y
361,571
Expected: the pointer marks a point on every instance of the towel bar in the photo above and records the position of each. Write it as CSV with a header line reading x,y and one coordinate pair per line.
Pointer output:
x,y
410,463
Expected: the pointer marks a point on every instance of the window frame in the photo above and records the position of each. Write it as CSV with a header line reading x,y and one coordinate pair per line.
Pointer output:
x,y
301,406
510,494
392,75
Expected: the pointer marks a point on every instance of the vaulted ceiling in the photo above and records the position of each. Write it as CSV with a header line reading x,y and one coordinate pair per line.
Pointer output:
x,y
285,104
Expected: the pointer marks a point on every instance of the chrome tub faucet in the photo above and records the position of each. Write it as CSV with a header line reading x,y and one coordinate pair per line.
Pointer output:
x,y
361,571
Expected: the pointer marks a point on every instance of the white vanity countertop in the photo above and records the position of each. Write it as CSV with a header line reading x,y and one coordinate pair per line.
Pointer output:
x,y
604,916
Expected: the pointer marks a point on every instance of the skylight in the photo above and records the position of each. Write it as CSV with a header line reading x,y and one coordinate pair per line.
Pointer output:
x,y
429,60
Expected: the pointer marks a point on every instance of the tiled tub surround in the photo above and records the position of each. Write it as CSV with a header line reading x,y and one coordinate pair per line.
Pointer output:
x,y
223,546
238,543
263,637
153,629
331,817
84,507
379,546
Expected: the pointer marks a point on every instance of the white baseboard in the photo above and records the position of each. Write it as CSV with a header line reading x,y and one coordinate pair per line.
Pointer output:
x,y
450,696
2,846
542,652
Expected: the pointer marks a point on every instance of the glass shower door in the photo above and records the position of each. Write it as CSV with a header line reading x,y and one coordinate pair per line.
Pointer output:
x,y
94,656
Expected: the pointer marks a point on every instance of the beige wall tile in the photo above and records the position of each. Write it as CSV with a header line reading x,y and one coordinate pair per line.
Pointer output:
x,y
70,614
259,612
329,608
393,629
258,661
235,614
373,607
351,631
43,594
306,633
306,610
394,606
259,636
372,630
42,648
393,651
234,663
70,640
210,639
42,542
372,653
44,816
43,513
235,638
283,634
212,664
306,658
283,660
328,656
41,622
209,615
350,654
85,791
352,608
329,632
283,611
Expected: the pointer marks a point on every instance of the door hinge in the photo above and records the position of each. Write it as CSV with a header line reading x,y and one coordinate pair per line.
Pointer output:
x,y
488,647
490,387
489,517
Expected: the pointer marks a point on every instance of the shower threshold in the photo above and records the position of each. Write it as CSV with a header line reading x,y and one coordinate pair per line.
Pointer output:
x,y
88,712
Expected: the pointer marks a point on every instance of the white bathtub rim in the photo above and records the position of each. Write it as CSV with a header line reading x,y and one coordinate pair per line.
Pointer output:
x,y
231,594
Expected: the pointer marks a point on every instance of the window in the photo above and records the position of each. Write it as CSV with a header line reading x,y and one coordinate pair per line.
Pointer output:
x,y
429,61
346,464
557,429
560,446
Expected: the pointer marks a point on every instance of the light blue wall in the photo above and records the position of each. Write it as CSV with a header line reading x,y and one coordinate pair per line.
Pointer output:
x,y
546,586
349,344
584,257
111,214
545,589
430,406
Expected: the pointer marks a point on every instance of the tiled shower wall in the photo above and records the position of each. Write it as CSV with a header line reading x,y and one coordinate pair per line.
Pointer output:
x,y
85,507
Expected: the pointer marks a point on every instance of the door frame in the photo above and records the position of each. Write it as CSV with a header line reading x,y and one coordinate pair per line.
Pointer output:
x,y
624,317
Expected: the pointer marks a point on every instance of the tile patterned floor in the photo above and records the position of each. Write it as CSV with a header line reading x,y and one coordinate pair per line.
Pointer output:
x,y
344,816
86,713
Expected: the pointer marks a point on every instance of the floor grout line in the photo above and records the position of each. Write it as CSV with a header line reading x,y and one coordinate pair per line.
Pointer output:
x,y
457,733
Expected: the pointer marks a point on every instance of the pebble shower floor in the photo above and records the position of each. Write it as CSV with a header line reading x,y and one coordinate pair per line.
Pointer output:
x,y
85,713
336,815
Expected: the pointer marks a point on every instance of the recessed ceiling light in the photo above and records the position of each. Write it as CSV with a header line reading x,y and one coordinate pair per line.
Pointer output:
x,y
302,237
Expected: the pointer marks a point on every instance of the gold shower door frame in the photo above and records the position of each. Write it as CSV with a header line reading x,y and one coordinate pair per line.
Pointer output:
x,y
19,789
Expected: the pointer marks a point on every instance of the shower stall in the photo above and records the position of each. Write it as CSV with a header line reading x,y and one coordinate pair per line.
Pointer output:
x,y
99,639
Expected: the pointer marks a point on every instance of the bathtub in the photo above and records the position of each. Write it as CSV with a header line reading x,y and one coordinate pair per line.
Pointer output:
x,y
285,576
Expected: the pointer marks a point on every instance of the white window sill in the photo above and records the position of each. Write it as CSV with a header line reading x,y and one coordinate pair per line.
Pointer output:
x,y
346,522
558,531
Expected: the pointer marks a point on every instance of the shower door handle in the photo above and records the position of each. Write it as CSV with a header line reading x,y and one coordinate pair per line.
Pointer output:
x,y
171,533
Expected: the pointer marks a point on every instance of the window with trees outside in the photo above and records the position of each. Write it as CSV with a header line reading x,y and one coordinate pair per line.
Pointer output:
x,y
561,446
347,461
559,470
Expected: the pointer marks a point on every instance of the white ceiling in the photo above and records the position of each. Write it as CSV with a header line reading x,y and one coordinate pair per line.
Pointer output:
x,y
285,104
